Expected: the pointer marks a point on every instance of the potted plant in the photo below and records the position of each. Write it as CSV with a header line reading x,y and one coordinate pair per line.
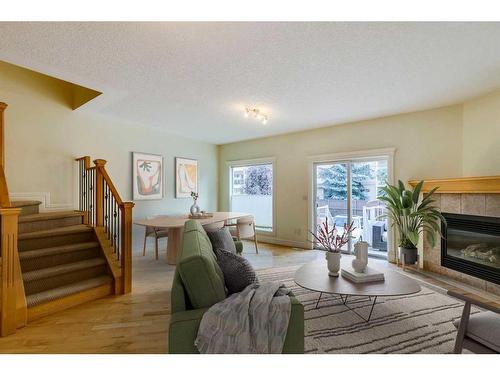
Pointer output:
x,y
329,238
411,216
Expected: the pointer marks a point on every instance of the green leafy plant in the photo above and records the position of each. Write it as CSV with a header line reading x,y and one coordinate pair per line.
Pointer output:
x,y
410,215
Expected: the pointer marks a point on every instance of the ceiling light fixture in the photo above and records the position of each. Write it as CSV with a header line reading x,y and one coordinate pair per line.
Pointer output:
x,y
256,114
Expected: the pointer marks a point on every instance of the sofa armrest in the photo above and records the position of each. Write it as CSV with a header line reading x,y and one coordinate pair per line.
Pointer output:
x,y
294,340
183,330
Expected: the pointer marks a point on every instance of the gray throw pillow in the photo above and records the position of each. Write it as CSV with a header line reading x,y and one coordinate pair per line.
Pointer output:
x,y
222,239
238,272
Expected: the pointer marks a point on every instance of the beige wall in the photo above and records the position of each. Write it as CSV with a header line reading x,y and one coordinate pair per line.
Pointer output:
x,y
481,136
428,145
43,136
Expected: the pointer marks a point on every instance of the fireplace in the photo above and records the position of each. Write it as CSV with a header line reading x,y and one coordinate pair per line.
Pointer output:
x,y
471,244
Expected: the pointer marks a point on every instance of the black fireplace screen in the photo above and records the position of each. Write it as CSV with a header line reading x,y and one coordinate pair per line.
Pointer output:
x,y
471,245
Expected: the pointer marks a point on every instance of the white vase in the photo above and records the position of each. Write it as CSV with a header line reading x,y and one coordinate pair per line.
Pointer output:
x,y
195,209
361,251
333,263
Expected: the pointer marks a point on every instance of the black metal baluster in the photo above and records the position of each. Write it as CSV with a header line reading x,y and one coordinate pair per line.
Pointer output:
x,y
106,204
110,213
79,185
110,209
119,232
82,193
116,230
111,226
114,221
92,195
86,189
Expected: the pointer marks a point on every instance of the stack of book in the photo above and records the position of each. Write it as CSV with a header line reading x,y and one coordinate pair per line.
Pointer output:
x,y
370,275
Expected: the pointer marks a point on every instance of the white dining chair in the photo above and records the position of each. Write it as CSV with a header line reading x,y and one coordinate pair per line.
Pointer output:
x,y
157,233
213,226
245,229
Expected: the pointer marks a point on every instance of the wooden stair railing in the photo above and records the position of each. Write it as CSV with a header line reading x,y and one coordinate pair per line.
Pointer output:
x,y
111,218
13,311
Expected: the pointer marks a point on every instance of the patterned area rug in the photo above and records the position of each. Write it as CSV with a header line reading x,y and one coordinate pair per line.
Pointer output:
x,y
419,323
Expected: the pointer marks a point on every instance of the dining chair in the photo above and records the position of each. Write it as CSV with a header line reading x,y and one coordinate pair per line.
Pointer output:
x,y
157,233
245,229
213,226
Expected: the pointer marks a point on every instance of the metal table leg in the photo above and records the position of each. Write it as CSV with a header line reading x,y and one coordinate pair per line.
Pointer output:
x,y
358,314
344,298
318,300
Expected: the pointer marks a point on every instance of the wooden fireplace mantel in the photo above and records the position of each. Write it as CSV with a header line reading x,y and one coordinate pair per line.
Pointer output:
x,y
460,185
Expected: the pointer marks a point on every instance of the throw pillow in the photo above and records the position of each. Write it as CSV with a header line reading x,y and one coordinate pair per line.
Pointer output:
x,y
222,239
238,272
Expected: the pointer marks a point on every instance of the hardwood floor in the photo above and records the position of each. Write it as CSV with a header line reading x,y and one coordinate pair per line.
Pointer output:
x,y
137,322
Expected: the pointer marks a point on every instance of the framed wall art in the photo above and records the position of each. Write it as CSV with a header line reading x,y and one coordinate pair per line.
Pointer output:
x,y
186,177
147,176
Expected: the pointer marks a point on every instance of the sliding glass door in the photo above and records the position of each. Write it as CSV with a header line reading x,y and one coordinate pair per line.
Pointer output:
x,y
345,192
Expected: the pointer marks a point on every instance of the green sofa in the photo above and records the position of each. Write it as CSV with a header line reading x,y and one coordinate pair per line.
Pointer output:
x,y
198,284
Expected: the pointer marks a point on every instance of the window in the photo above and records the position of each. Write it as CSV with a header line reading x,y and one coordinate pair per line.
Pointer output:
x,y
251,191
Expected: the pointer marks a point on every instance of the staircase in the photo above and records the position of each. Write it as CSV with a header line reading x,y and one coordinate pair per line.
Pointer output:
x,y
51,261
61,260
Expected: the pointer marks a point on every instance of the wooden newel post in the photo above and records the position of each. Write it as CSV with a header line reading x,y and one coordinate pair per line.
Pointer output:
x,y
99,192
126,245
11,281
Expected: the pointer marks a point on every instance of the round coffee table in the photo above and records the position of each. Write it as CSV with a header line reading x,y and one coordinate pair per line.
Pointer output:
x,y
314,276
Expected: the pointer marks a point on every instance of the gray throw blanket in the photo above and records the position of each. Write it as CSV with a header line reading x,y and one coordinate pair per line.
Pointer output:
x,y
252,321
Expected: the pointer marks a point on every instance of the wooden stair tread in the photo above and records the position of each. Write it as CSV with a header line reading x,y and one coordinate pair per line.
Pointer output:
x,y
19,204
44,273
66,290
49,216
48,251
56,232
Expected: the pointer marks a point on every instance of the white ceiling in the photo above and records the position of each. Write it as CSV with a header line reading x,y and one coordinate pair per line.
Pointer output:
x,y
195,78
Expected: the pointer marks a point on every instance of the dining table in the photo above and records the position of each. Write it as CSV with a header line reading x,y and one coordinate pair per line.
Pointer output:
x,y
175,225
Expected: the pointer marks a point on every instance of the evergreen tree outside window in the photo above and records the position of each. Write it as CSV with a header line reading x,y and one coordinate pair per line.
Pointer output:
x,y
252,192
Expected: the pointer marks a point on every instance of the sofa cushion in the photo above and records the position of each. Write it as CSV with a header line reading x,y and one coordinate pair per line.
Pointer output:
x,y
197,266
238,272
484,327
222,239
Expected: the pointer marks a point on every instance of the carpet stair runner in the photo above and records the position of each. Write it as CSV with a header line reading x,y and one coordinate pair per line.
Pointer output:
x,y
59,255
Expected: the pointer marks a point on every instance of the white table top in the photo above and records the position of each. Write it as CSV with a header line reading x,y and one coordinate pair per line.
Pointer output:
x,y
178,221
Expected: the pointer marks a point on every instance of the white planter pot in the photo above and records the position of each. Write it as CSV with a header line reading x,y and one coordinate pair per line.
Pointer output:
x,y
333,263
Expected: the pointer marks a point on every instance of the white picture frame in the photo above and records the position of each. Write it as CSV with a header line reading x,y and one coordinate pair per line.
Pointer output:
x,y
186,177
147,176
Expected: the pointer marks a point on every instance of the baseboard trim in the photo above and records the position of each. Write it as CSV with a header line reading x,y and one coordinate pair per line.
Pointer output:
x,y
283,242
43,197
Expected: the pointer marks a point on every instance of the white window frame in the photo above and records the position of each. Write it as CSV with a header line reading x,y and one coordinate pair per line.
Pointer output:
x,y
247,163
351,156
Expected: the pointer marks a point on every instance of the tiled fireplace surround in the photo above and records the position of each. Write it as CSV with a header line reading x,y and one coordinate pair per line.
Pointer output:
x,y
465,203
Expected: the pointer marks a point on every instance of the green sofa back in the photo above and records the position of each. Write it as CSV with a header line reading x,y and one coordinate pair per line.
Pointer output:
x,y
199,281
